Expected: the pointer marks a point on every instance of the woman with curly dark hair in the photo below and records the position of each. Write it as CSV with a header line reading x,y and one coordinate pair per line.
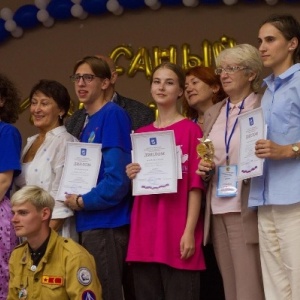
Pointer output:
x,y
10,150
202,90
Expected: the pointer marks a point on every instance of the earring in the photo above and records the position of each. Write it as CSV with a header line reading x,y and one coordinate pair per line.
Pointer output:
x,y
60,117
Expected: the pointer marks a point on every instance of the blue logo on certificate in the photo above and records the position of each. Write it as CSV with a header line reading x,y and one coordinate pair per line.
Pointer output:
x,y
83,152
251,121
153,141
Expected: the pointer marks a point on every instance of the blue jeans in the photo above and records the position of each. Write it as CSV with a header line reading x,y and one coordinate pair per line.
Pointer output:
x,y
155,281
109,247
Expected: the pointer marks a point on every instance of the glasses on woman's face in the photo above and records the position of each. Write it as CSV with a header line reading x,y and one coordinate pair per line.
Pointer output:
x,y
87,78
229,70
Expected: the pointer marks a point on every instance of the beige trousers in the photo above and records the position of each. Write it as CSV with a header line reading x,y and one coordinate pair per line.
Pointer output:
x,y
238,262
279,238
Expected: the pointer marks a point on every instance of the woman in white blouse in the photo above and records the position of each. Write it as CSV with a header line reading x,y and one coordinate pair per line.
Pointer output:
x,y
44,154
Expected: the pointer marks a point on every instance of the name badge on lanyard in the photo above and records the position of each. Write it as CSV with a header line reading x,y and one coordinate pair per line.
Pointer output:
x,y
227,175
227,181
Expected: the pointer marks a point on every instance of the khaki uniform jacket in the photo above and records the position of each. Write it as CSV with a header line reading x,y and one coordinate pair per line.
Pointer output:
x,y
66,271
249,216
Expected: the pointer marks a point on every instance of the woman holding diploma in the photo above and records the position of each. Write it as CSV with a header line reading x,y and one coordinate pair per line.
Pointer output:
x,y
277,191
44,154
166,231
232,225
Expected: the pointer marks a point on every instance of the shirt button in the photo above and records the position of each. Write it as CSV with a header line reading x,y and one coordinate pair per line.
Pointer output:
x,y
36,279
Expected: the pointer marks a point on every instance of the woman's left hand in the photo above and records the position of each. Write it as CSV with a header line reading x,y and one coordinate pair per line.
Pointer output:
x,y
269,149
71,202
187,245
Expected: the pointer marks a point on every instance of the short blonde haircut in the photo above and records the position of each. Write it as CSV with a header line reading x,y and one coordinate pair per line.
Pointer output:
x,y
247,56
38,197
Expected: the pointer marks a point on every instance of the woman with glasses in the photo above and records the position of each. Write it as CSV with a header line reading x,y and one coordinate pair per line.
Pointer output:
x,y
44,154
232,225
277,191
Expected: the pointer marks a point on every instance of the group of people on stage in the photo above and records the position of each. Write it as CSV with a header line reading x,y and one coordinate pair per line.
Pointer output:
x,y
107,244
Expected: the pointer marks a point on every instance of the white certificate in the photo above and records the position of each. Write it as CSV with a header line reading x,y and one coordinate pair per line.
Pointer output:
x,y
81,169
156,153
252,129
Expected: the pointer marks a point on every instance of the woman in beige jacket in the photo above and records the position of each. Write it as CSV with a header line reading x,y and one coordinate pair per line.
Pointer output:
x,y
233,227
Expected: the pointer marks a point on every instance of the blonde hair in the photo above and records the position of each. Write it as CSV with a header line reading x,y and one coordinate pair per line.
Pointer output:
x,y
37,196
247,56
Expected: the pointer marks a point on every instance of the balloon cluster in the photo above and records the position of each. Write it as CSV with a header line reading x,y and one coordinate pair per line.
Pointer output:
x,y
47,11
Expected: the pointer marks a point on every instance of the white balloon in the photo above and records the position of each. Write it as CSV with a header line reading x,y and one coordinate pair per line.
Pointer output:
x,y
230,2
76,10
119,11
41,4
151,2
49,22
6,13
112,5
271,2
42,15
83,16
10,25
190,3
17,33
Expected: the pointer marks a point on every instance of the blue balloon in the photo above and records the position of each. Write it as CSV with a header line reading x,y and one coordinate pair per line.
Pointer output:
x,y
25,16
3,33
94,7
60,9
132,4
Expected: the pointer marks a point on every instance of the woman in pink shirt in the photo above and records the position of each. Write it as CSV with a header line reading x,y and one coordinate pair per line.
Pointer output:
x,y
166,231
232,225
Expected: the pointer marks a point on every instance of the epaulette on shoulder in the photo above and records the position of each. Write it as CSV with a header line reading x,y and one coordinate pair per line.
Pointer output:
x,y
71,245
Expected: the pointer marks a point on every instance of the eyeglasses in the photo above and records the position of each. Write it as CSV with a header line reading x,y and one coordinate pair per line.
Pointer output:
x,y
229,70
87,78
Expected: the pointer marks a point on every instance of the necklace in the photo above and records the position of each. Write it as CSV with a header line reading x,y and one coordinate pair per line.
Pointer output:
x,y
164,124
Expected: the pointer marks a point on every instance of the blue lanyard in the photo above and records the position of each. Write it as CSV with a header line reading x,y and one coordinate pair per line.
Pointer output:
x,y
227,143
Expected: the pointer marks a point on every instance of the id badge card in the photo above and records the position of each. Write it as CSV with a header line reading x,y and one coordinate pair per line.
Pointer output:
x,y
227,181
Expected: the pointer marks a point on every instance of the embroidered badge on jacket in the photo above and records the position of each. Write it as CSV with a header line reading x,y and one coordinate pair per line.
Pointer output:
x,y
84,276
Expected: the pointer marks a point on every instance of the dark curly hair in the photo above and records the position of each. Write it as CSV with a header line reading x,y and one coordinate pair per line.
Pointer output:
x,y
56,91
11,99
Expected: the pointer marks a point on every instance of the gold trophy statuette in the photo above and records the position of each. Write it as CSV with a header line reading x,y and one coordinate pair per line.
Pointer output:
x,y
206,151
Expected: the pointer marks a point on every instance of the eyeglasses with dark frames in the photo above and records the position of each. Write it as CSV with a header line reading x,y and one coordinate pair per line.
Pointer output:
x,y
87,78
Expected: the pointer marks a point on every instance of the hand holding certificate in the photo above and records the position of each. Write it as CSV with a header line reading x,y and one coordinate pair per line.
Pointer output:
x,y
81,169
252,129
157,155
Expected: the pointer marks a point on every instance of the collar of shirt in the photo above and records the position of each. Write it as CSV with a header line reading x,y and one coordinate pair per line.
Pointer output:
x,y
271,80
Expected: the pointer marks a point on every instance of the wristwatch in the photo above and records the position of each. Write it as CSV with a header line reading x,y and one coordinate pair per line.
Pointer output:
x,y
296,150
